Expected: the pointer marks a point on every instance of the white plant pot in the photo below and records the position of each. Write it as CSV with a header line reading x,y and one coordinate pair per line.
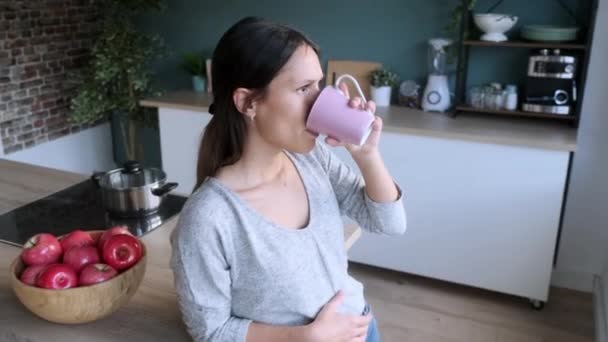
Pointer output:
x,y
381,96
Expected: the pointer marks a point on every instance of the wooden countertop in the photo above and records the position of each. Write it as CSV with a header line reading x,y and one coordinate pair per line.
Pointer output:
x,y
472,127
151,315
180,99
23,183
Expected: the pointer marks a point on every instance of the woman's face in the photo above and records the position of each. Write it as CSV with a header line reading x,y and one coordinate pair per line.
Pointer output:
x,y
281,115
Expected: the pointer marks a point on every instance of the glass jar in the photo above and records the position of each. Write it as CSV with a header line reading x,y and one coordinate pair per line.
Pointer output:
x,y
499,99
494,96
510,101
475,97
489,97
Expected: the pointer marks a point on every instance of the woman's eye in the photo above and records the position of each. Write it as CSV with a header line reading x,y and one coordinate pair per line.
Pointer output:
x,y
305,88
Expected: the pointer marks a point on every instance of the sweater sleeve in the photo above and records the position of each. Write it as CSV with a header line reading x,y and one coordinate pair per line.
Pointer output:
x,y
349,187
202,281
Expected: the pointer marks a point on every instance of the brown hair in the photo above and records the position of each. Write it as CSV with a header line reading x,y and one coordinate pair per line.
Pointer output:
x,y
249,55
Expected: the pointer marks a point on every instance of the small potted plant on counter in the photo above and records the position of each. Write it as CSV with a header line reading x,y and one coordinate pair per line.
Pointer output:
x,y
382,82
194,64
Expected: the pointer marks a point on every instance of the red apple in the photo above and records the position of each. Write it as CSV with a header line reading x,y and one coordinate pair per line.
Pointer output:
x,y
76,238
96,273
41,249
122,251
30,274
78,257
57,276
111,232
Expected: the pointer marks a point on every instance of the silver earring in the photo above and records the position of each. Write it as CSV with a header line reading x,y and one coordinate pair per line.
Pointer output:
x,y
251,117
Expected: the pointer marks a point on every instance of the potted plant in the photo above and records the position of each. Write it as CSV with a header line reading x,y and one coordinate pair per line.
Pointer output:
x,y
194,64
453,26
382,82
118,76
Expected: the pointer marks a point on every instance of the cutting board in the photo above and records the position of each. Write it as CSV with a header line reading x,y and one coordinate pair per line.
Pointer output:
x,y
360,70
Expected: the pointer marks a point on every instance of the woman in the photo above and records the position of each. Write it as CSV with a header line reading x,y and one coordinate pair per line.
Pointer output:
x,y
258,252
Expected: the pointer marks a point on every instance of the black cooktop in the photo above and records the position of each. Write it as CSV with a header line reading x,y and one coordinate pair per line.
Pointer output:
x,y
77,207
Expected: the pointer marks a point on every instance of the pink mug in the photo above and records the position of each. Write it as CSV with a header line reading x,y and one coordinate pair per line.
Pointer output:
x,y
331,115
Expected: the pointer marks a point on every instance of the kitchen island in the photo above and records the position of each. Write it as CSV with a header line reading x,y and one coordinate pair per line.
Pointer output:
x,y
476,187
151,315
184,114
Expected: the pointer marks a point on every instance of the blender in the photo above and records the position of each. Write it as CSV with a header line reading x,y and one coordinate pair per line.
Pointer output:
x,y
436,96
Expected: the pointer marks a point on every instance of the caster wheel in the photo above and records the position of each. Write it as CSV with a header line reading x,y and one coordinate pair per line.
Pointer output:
x,y
537,304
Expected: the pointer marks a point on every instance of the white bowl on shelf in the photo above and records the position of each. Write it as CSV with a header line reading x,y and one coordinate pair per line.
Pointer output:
x,y
494,25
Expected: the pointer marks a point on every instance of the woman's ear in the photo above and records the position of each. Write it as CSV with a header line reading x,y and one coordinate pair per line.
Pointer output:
x,y
242,101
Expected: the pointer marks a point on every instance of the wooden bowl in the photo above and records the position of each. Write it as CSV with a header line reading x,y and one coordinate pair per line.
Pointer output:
x,y
79,304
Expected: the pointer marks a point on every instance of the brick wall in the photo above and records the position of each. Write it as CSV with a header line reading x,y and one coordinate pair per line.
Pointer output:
x,y
41,43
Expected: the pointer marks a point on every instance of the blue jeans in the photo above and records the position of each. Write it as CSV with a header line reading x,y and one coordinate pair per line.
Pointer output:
x,y
373,335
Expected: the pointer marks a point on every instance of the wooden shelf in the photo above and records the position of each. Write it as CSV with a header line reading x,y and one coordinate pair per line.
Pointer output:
x,y
463,108
526,44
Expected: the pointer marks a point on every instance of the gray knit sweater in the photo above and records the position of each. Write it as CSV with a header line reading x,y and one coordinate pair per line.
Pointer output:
x,y
233,266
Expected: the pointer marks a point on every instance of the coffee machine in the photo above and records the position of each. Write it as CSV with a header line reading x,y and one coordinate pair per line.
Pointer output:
x,y
550,83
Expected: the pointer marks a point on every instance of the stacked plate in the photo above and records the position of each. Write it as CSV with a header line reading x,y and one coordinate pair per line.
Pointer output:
x,y
548,33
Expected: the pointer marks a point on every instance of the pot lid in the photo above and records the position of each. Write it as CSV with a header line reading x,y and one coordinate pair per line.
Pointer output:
x,y
131,175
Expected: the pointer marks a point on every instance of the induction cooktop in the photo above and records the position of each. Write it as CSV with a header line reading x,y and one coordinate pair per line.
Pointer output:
x,y
77,207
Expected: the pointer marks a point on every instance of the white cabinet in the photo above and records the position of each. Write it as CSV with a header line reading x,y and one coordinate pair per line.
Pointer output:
x,y
180,136
478,214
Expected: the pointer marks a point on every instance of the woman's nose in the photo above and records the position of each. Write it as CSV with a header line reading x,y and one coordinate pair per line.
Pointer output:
x,y
316,90
312,98
314,94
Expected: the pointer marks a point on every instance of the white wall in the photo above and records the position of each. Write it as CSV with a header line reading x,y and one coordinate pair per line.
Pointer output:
x,y
584,239
83,152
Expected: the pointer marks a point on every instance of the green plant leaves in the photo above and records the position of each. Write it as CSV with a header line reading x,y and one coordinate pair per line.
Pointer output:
x,y
194,64
383,77
119,74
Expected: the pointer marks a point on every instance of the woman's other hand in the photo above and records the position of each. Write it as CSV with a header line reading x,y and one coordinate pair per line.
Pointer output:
x,y
332,326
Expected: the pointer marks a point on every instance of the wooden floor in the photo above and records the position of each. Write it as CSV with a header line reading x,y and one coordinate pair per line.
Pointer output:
x,y
416,309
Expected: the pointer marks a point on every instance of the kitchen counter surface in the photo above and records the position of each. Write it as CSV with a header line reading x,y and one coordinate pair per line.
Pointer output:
x,y
21,183
180,99
473,127
151,315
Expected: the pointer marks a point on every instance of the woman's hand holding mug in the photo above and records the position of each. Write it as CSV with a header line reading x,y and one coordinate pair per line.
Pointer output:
x,y
372,141
346,122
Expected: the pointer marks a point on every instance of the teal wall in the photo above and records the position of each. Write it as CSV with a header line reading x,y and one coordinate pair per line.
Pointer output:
x,y
393,32
343,30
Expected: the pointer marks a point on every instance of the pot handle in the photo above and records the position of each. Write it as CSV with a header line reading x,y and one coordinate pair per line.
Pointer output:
x,y
163,190
132,166
96,177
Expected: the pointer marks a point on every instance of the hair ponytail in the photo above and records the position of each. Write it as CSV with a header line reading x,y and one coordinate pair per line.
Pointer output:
x,y
222,145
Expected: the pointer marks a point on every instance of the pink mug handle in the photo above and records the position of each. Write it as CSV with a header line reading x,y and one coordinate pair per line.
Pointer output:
x,y
355,83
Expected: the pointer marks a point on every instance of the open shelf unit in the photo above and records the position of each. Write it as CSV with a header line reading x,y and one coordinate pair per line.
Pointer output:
x,y
580,48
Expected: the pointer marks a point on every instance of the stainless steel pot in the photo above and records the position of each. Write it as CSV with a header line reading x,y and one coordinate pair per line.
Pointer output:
x,y
133,191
